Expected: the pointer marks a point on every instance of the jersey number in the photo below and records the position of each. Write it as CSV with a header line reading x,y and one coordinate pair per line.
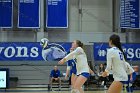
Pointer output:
x,y
75,60
73,64
121,55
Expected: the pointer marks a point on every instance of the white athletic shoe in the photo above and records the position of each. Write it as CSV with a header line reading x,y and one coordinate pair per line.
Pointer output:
x,y
102,83
75,91
105,87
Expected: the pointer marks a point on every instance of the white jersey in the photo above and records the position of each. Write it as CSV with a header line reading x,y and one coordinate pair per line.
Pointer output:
x,y
116,63
129,69
81,60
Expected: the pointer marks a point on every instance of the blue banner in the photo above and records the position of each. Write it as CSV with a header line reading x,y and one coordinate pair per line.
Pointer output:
x,y
33,51
129,14
132,51
57,14
6,13
29,14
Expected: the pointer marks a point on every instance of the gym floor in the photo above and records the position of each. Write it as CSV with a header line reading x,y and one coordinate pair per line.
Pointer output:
x,y
66,92
44,90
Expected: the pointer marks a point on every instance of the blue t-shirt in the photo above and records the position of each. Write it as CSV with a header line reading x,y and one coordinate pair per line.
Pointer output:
x,y
55,74
73,66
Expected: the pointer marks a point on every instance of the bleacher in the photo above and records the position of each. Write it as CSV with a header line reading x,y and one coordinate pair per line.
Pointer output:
x,y
31,75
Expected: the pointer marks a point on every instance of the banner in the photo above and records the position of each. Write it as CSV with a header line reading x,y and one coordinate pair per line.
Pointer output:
x,y
57,14
29,14
6,13
132,51
33,51
129,14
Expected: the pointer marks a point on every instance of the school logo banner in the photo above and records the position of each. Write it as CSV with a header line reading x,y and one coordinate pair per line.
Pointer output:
x,y
132,51
33,51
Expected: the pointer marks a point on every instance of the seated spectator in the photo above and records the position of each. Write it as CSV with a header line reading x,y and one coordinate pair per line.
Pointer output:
x,y
102,79
55,76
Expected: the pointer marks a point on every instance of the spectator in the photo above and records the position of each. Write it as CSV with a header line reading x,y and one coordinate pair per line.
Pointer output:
x,y
102,79
55,76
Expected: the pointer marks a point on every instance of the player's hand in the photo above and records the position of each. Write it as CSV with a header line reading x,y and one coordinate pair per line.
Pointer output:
x,y
131,79
56,79
62,61
91,72
104,74
66,77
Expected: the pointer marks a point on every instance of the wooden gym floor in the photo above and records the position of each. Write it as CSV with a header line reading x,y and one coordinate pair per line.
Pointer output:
x,y
66,92
46,91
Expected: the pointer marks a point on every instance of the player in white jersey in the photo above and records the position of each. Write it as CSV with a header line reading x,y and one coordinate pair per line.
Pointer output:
x,y
83,69
116,63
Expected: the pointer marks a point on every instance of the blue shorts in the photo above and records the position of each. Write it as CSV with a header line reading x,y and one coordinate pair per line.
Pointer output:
x,y
123,82
85,74
128,81
73,72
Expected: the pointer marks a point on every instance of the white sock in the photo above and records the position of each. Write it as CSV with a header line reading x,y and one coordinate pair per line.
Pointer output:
x,y
75,91
130,84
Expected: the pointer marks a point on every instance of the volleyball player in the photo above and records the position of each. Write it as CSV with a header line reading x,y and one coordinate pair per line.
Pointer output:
x,y
83,69
71,69
116,63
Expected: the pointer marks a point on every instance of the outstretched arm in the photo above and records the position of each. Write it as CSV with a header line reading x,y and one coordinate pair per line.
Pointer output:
x,y
71,55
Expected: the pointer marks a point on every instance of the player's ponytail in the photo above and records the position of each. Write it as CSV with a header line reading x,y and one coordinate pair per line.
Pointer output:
x,y
79,43
116,41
